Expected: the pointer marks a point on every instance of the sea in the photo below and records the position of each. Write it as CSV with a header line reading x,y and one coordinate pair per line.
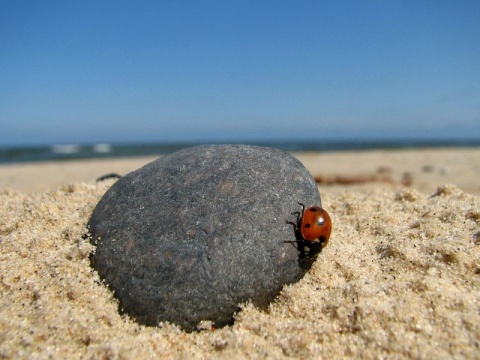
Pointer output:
x,y
62,152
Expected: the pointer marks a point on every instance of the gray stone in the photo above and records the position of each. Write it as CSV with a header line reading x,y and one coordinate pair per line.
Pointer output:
x,y
195,233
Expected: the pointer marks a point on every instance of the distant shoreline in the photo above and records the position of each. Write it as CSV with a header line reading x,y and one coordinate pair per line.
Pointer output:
x,y
62,152
423,169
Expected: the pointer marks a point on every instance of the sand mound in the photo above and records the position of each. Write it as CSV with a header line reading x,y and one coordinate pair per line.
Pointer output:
x,y
399,278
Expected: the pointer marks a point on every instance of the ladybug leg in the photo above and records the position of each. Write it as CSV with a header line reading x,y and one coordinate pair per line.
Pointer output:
x,y
303,207
296,230
297,244
300,216
295,225
297,214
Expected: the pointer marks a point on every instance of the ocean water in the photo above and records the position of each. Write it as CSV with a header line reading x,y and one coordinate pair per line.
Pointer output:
x,y
59,152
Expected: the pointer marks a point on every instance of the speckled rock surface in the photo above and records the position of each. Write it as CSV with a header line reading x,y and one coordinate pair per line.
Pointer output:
x,y
195,233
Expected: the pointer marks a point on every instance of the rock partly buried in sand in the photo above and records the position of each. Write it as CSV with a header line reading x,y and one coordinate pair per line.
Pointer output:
x,y
194,234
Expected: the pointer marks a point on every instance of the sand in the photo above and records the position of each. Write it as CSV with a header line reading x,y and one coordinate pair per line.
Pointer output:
x,y
427,169
400,277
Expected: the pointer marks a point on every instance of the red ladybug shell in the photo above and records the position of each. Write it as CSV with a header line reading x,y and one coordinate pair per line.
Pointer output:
x,y
316,225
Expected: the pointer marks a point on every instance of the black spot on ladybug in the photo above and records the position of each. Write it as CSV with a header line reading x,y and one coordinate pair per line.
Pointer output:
x,y
307,225
313,209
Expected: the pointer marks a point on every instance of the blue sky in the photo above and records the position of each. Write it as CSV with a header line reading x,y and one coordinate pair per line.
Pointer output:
x,y
143,71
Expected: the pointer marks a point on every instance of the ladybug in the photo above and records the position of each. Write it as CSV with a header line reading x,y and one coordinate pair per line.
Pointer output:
x,y
312,228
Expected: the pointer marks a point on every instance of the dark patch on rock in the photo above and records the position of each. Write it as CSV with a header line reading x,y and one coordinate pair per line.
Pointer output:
x,y
195,233
108,176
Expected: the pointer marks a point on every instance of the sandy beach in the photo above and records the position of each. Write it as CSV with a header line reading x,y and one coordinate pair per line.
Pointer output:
x,y
400,277
360,171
